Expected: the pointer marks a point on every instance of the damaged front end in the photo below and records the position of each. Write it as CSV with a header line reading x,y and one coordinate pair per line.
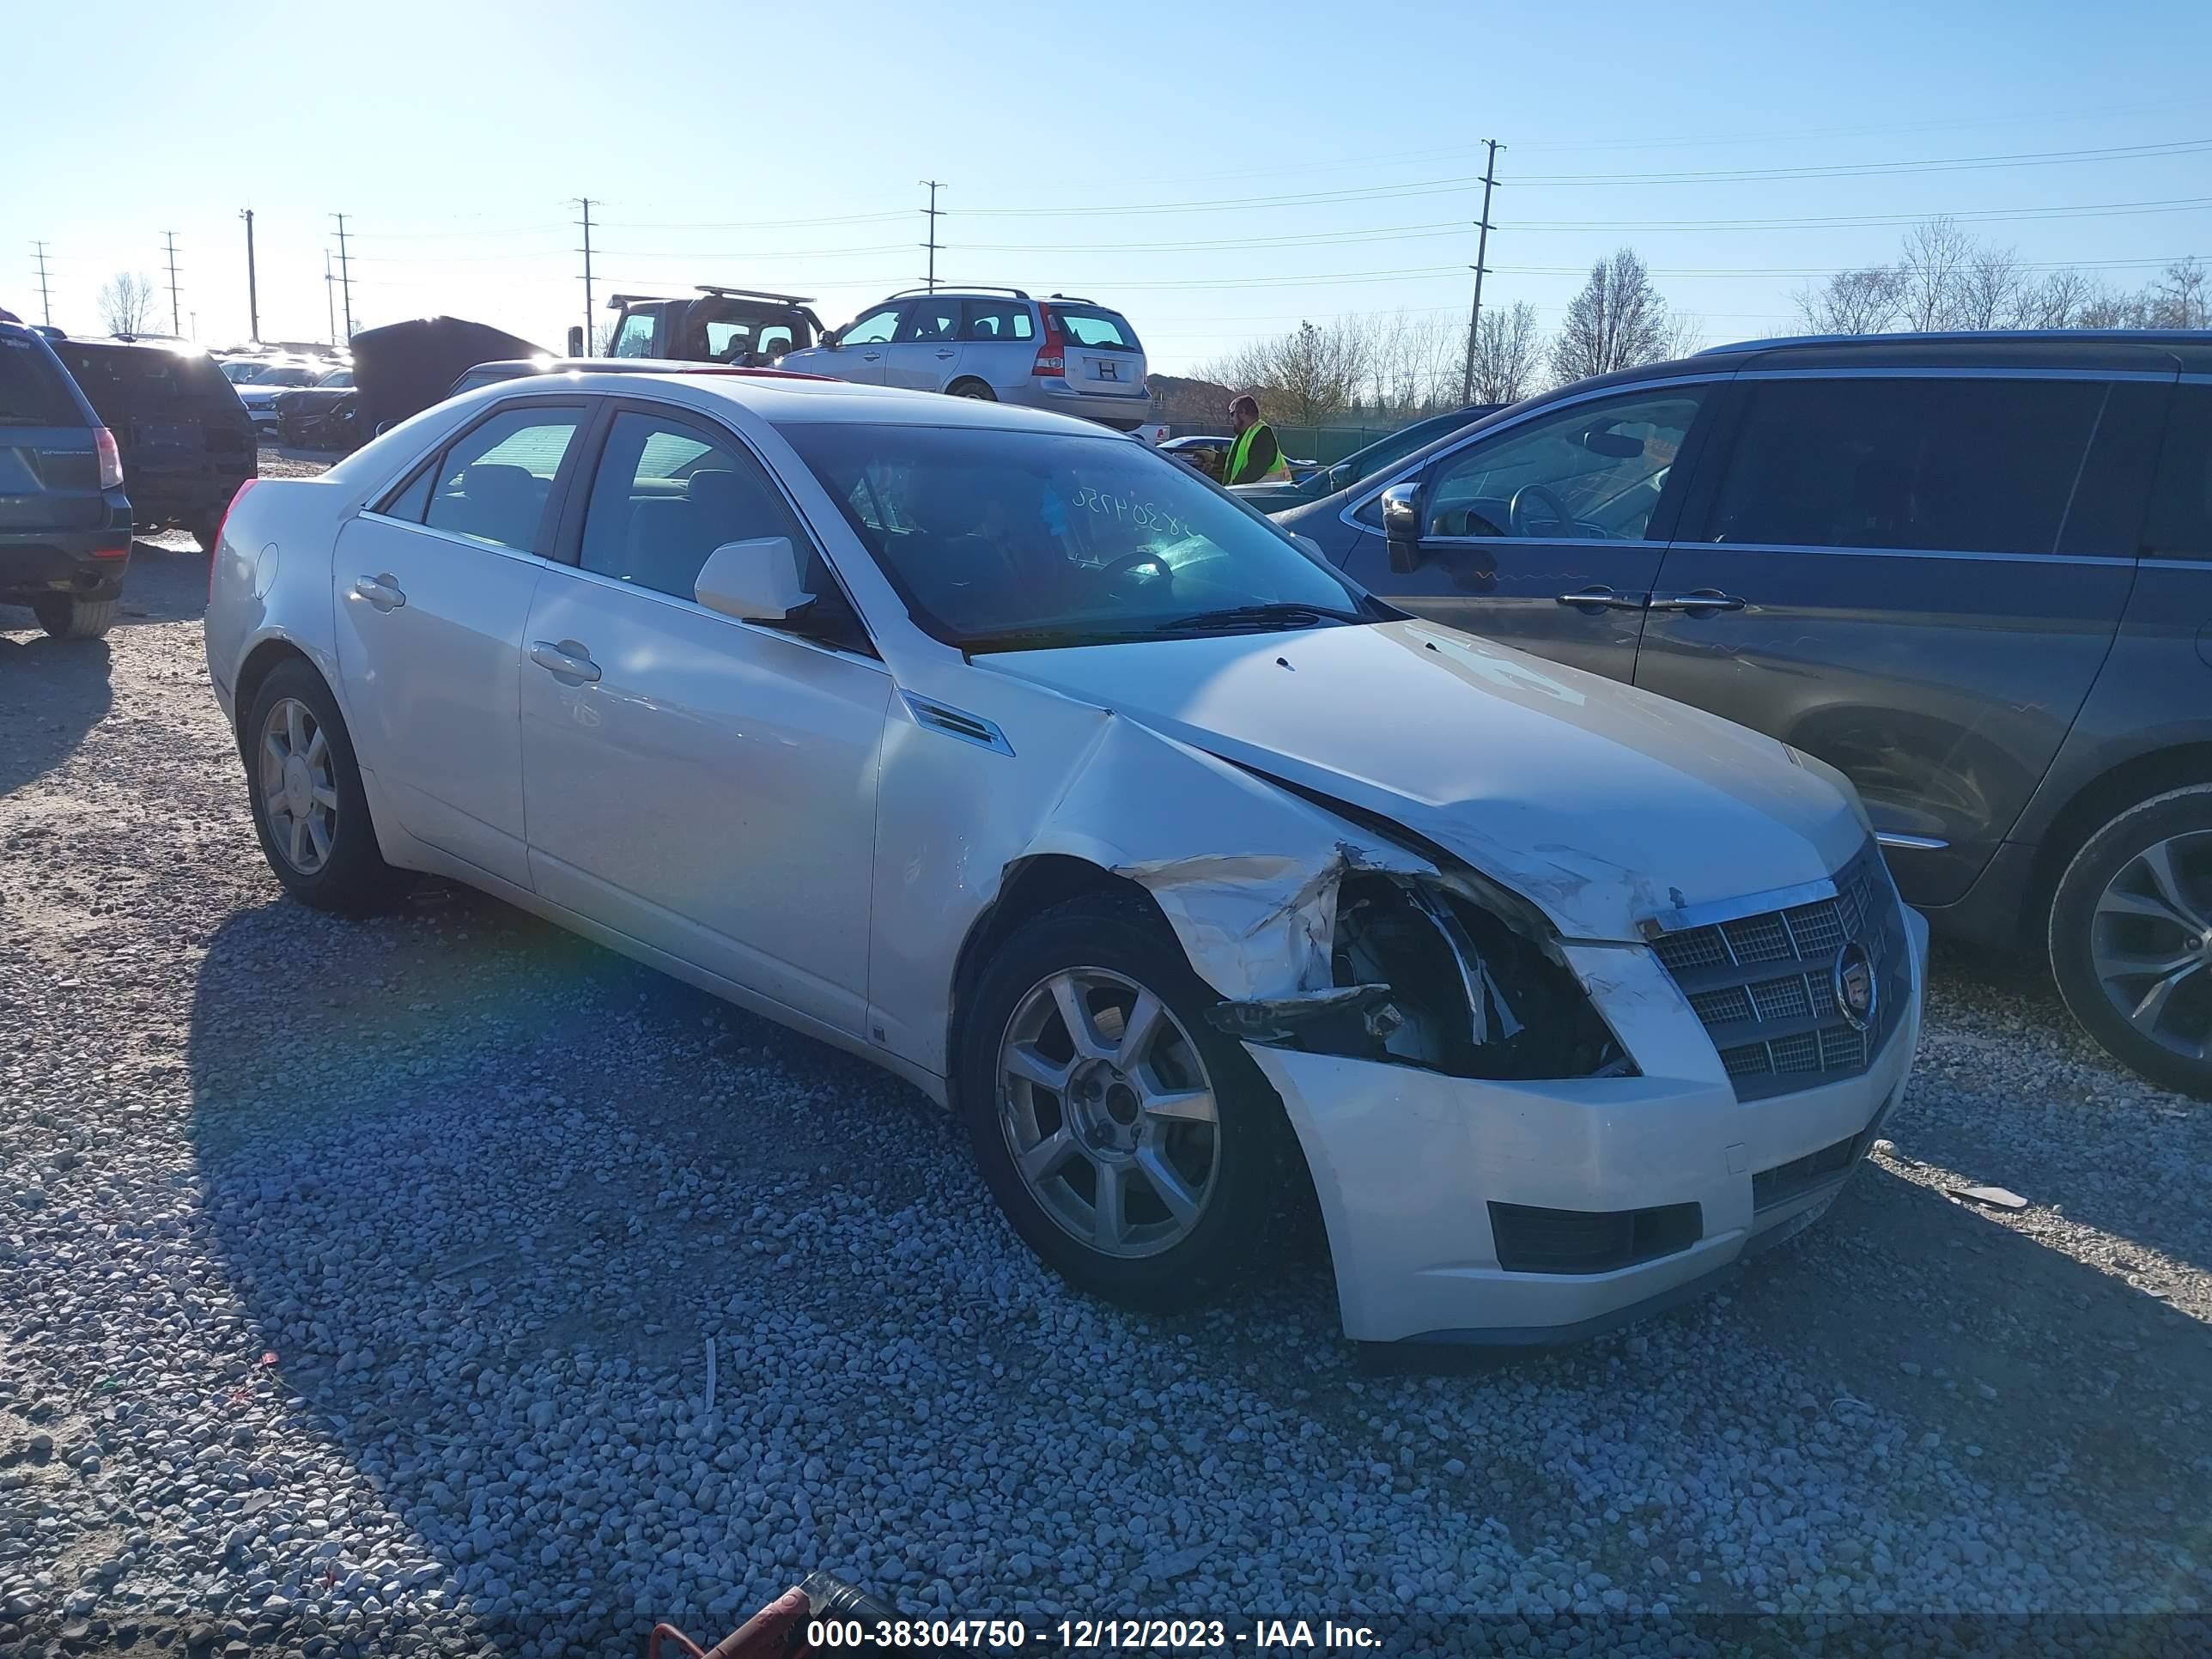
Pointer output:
x,y
1442,971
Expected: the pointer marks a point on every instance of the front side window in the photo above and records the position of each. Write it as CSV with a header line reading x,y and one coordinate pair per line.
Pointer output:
x,y
1591,471
994,321
930,320
1940,465
874,329
495,481
634,337
1009,538
665,495
2179,525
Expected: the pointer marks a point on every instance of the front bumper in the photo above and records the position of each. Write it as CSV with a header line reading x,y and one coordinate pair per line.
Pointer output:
x,y
1406,1163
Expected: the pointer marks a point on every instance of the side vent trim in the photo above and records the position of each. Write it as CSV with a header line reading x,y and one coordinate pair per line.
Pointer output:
x,y
955,723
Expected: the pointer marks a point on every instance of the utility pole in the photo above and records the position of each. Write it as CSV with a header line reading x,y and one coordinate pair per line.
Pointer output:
x,y
1481,260
252,293
346,275
176,312
931,244
330,297
46,299
585,202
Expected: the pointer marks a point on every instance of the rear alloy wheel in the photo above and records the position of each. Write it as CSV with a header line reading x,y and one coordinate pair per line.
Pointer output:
x,y
1136,1149
975,389
309,807
66,617
2131,938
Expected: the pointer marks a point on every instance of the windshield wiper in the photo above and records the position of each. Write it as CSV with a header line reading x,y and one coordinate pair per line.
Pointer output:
x,y
1044,639
1279,614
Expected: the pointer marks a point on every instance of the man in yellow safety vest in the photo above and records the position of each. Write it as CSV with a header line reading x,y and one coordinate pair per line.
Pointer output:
x,y
1254,456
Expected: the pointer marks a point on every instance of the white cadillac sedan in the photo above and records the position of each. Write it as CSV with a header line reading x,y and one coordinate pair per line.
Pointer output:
x,y
997,748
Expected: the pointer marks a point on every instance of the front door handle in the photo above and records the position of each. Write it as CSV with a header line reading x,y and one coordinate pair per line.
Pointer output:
x,y
565,661
870,357
381,590
1598,596
1703,602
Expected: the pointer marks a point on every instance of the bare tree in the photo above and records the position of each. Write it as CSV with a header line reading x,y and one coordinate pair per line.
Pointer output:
x,y
2180,298
126,302
2060,300
1685,335
1301,376
1863,302
1617,321
1509,354
2110,311
1991,288
1936,257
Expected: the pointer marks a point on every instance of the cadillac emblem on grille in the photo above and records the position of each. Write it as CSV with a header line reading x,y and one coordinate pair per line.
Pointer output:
x,y
1855,985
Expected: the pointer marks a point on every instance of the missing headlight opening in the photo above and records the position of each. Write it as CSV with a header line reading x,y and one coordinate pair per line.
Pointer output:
x,y
1427,977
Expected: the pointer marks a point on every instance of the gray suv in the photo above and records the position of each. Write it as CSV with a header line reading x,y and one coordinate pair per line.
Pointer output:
x,y
1972,571
998,344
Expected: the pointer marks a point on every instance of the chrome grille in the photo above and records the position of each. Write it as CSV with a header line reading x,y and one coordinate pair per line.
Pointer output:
x,y
1765,985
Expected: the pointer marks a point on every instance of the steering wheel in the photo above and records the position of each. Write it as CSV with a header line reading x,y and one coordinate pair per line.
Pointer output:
x,y
1129,562
1516,516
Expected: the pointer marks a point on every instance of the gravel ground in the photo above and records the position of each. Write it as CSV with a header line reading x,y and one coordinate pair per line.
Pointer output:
x,y
442,1284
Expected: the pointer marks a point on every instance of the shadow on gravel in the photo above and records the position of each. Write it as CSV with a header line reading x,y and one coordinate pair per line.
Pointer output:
x,y
52,692
486,1192
168,581
2010,1090
2082,1384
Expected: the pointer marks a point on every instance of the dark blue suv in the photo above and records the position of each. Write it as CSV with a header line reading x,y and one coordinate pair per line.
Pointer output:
x,y
64,520
1972,571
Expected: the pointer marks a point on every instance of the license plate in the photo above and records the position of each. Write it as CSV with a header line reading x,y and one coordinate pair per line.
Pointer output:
x,y
1107,371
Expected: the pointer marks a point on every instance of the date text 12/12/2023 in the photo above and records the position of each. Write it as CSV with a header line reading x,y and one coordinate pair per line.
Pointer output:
x,y
1115,1635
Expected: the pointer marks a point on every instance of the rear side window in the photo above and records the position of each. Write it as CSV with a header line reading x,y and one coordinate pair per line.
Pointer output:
x,y
34,391
494,482
1946,466
1092,325
997,319
2180,522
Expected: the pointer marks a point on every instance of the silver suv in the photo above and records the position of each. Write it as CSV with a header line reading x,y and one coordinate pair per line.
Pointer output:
x,y
998,344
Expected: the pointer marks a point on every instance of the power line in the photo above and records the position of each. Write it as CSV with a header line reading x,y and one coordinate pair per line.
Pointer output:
x,y
46,299
1481,253
345,277
931,244
176,311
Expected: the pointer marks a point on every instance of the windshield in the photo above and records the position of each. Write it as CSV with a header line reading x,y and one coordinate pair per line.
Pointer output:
x,y
285,374
1003,539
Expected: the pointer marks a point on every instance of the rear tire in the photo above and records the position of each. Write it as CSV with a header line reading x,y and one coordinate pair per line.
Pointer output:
x,y
2130,939
313,818
66,617
975,389
1204,1169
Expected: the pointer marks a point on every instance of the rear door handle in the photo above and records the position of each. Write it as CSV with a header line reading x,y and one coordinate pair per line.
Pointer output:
x,y
946,354
1599,597
1702,602
382,591
566,661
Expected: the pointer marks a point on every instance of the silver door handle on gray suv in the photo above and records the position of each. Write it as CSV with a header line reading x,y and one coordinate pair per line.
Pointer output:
x,y
1600,598
566,662
1702,601
382,592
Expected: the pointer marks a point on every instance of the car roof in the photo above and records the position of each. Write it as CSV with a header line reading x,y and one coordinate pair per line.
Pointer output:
x,y
2188,350
167,348
789,399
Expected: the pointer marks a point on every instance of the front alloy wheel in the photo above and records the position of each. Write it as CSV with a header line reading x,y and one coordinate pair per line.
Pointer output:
x,y
1108,1112
298,790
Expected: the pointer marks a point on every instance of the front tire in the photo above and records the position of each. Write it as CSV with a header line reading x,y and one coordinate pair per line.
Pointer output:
x,y
1136,1150
66,617
310,809
2131,938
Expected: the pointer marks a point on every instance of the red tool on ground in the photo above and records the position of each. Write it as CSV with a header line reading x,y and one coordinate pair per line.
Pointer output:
x,y
781,1630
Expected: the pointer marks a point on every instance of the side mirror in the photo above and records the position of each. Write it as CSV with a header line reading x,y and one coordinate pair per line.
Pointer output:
x,y
1401,525
832,339
757,581
1339,475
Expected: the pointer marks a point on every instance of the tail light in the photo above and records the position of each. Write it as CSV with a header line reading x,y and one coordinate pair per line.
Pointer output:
x,y
110,458
1052,354
221,524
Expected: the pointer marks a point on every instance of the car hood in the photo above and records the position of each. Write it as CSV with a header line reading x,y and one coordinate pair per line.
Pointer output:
x,y
1603,805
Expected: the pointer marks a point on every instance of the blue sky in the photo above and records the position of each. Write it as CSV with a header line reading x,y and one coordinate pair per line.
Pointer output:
x,y
719,139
